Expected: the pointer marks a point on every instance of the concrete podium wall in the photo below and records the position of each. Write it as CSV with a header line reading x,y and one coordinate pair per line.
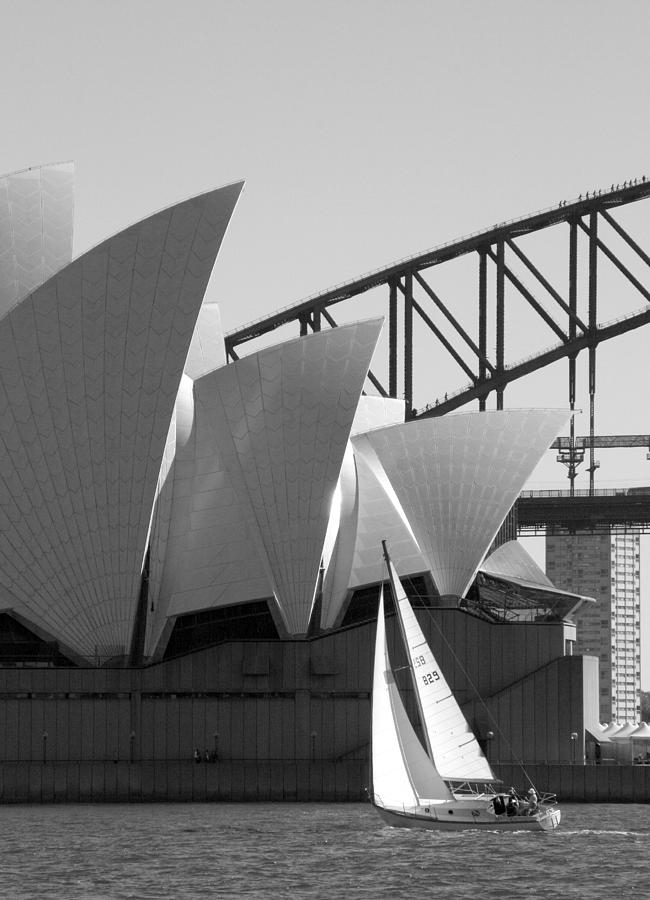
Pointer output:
x,y
184,781
300,781
288,720
583,783
286,700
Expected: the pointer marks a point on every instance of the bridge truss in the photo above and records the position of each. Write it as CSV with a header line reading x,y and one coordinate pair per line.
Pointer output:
x,y
499,260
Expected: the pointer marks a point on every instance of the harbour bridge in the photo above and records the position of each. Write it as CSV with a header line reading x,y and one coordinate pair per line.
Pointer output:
x,y
592,237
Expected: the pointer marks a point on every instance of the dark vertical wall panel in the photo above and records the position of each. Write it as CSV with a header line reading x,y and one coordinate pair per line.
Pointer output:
x,y
24,729
190,727
200,678
11,729
180,711
184,673
288,730
34,751
147,728
173,737
112,729
343,731
101,731
276,727
211,716
317,737
185,783
87,728
124,728
4,732
550,713
249,729
74,742
233,742
302,723
236,774
57,730
204,735
260,711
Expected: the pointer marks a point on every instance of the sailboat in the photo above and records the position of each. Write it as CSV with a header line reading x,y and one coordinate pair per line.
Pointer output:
x,y
449,785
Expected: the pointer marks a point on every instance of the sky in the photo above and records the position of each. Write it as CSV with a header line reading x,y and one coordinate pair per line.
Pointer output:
x,y
366,131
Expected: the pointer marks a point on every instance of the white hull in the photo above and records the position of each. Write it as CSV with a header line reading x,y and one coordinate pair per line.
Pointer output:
x,y
468,816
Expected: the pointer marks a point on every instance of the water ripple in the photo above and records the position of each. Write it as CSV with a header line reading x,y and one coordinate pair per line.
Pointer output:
x,y
309,852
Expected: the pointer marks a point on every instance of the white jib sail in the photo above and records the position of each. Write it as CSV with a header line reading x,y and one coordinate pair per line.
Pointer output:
x,y
455,750
402,773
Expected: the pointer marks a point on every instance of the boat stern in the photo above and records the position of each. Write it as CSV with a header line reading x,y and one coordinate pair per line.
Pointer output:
x,y
549,819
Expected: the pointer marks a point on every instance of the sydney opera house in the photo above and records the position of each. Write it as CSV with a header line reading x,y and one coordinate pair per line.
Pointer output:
x,y
190,549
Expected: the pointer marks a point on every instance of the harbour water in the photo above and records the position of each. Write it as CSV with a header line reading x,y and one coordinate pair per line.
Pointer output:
x,y
312,850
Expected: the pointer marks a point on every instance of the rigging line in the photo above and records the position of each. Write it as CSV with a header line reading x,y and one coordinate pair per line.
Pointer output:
x,y
490,716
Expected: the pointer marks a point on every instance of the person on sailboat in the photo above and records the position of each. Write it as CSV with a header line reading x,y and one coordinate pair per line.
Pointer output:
x,y
512,803
532,802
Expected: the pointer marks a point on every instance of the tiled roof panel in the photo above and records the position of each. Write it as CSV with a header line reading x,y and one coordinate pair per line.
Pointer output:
x,y
36,223
90,364
457,477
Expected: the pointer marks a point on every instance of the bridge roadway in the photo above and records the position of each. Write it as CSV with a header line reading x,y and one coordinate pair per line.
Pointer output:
x,y
621,510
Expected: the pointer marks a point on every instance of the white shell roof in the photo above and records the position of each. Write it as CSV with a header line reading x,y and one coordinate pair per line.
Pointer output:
x,y
281,420
207,350
456,478
342,529
377,412
372,412
36,222
511,559
380,517
510,580
204,555
90,365
179,435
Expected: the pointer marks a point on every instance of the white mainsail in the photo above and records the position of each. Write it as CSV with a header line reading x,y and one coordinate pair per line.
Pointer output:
x,y
409,786
402,773
391,784
454,749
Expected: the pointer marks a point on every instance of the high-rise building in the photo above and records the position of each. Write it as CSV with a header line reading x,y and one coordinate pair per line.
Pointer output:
x,y
607,568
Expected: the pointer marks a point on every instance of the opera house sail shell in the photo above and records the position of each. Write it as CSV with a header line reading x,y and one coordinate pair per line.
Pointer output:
x,y
36,223
366,516
253,495
456,477
90,366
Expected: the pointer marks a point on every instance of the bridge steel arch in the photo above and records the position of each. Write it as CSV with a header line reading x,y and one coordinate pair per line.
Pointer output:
x,y
494,251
